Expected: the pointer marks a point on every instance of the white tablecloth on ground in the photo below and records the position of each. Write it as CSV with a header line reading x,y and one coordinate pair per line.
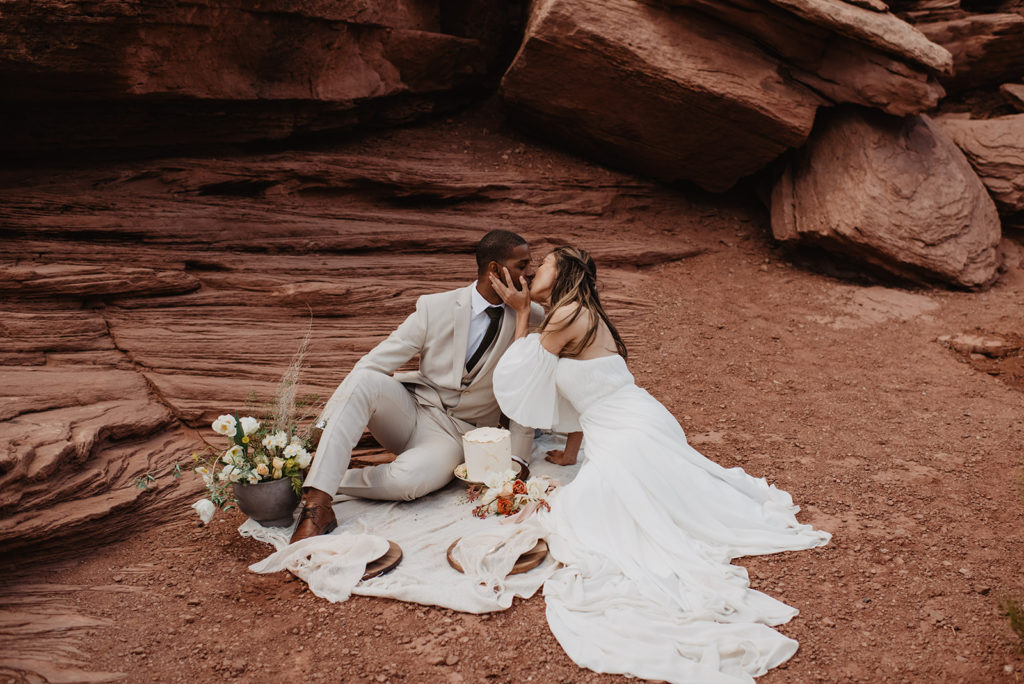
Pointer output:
x,y
424,528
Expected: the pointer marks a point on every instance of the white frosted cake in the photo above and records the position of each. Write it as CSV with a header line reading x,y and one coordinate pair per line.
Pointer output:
x,y
487,450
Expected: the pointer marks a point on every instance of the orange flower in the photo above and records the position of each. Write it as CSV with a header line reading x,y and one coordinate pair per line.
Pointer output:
x,y
505,507
519,487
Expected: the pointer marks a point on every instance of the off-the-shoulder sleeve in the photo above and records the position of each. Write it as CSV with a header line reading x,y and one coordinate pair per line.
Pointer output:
x,y
524,385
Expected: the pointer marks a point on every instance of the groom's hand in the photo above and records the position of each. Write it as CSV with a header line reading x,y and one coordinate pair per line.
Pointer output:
x,y
517,298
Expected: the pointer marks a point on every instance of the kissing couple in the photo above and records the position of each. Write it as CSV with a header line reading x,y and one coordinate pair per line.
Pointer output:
x,y
646,531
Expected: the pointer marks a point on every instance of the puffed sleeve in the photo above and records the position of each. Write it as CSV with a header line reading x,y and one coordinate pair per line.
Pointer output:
x,y
524,385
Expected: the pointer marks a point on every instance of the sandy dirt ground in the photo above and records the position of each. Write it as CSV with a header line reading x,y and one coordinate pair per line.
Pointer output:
x,y
839,392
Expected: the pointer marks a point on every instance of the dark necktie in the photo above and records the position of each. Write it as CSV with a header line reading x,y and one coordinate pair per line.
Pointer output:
x,y
495,313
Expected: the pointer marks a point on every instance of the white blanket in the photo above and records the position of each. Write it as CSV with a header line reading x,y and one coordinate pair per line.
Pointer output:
x,y
332,564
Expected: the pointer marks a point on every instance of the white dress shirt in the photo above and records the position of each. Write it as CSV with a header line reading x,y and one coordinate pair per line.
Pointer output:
x,y
478,320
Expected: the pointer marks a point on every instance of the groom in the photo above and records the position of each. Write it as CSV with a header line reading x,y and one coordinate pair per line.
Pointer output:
x,y
421,415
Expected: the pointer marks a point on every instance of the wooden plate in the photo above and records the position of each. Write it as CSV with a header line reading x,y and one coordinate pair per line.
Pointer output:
x,y
385,563
528,561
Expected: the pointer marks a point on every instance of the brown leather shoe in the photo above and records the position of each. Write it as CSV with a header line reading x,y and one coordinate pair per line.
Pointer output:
x,y
316,518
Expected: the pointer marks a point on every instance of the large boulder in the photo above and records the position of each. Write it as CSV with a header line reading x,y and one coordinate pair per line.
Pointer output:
x,y
995,148
125,73
845,53
709,92
895,193
987,49
669,93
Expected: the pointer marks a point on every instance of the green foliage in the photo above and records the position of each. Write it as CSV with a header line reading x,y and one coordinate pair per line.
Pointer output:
x,y
143,481
1015,613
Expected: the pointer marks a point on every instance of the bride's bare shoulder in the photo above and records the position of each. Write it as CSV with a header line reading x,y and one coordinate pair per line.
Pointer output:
x,y
565,327
572,313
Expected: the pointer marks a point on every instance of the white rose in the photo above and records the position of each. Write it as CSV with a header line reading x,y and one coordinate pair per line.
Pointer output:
x,y
293,450
225,473
536,488
232,455
249,425
205,509
225,425
276,441
494,481
303,459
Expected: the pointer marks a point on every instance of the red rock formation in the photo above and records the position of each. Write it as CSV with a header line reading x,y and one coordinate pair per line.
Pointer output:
x,y
142,300
891,192
995,148
987,49
846,58
1014,94
127,74
709,91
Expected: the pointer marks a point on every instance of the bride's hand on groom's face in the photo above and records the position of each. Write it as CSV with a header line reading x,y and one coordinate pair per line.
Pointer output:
x,y
517,298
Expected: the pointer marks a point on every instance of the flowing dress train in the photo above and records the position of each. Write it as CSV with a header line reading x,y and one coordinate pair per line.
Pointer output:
x,y
647,530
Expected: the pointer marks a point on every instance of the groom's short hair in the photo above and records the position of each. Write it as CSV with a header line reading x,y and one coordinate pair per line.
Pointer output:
x,y
497,245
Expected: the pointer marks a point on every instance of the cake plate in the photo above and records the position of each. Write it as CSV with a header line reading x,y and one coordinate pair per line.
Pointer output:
x,y
522,474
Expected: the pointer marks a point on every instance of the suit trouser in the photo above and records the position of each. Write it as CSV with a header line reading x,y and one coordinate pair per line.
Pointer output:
x,y
426,453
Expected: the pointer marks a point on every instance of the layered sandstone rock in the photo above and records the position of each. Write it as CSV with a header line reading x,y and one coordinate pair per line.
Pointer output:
x,y
842,52
129,74
705,91
987,49
1014,94
895,193
995,148
925,10
139,301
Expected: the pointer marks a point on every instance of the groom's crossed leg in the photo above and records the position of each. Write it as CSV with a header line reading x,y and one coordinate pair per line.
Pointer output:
x,y
426,453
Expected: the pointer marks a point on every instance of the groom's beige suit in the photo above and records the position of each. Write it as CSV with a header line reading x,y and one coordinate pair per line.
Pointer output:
x,y
419,415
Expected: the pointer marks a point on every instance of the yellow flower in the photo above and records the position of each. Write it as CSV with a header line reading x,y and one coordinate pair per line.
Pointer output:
x,y
245,440
290,463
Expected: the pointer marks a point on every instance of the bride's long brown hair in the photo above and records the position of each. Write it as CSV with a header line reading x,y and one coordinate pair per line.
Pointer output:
x,y
576,283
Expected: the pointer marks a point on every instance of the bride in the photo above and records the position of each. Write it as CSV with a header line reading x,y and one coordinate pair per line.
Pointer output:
x,y
646,531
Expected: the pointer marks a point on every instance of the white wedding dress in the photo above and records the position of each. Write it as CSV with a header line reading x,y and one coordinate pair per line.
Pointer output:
x,y
647,530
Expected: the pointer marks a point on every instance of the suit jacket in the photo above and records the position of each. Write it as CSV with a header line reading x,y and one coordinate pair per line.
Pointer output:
x,y
438,331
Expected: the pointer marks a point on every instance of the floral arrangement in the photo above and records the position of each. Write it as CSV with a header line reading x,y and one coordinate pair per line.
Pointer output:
x,y
505,494
279,445
256,453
